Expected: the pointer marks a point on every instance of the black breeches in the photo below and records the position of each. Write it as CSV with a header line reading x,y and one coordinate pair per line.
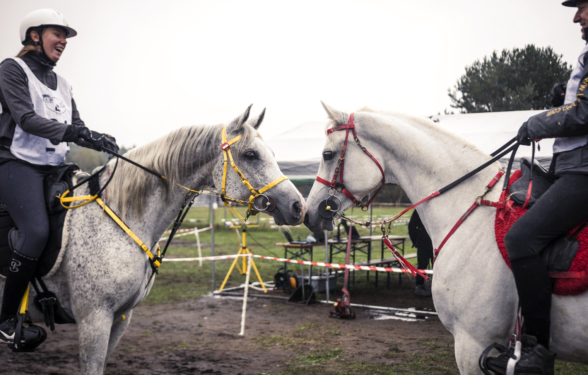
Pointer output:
x,y
562,207
21,190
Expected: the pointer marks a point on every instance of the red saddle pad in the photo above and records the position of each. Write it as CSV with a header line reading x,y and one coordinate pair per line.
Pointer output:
x,y
563,286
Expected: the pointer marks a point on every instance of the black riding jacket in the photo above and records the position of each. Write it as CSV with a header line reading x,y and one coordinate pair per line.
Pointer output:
x,y
17,106
566,121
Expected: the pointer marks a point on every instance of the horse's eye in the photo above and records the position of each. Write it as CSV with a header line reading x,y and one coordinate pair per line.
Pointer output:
x,y
250,155
328,155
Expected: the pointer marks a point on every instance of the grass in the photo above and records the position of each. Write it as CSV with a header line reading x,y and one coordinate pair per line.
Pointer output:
x,y
181,281
318,357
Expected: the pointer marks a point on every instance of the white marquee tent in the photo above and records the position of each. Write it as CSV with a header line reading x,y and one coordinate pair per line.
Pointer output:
x,y
298,150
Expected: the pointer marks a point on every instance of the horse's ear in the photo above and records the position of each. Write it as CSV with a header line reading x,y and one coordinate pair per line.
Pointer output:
x,y
237,124
255,122
336,115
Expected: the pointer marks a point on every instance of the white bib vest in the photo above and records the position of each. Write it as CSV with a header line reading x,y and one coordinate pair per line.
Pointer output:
x,y
570,143
50,104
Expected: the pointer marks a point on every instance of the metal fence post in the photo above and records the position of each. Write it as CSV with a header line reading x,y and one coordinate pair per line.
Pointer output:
x,y
212,239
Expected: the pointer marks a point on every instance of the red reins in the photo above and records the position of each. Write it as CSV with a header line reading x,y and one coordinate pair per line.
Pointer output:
x,y
339,186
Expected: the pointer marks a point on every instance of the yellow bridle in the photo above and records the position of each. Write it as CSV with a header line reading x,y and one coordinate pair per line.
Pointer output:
x,y
226,147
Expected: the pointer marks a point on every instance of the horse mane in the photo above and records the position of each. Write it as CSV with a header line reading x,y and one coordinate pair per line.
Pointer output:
x,y
176,156
425,122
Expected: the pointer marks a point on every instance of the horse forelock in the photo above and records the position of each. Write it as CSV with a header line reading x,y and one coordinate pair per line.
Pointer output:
x,y
176,156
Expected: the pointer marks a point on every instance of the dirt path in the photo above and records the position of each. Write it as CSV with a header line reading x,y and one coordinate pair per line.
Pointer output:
x,y
201,337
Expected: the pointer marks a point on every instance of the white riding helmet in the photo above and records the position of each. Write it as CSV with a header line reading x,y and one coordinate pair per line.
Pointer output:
x,y
44,17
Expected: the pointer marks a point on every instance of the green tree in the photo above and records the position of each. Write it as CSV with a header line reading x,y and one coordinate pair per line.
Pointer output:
x,y
515,80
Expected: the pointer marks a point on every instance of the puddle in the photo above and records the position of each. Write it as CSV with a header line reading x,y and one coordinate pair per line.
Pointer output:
x,y
410,314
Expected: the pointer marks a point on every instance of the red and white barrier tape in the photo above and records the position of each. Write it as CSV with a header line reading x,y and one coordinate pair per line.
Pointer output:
x,y
343,266
318,264
220,257
191,230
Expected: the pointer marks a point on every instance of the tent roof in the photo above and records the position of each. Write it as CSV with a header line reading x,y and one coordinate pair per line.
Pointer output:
x,y
298,150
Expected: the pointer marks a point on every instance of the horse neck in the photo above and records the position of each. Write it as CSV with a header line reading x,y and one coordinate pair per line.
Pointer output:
x,y
158,214
422,159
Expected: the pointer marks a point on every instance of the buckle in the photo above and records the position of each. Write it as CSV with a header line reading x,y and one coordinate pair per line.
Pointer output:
x,y
153,266
225,146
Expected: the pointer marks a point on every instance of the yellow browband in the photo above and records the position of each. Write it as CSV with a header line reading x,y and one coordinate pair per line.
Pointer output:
x,y
226,147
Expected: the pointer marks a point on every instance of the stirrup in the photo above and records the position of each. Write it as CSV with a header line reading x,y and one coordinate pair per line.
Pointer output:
x,y
483,360
514,357
27,339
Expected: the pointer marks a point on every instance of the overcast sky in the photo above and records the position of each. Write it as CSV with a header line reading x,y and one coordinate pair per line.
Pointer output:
x,y
142,68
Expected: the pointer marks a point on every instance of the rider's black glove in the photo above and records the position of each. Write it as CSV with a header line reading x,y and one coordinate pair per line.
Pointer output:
x,y
558,94
97,141
85,137
523,135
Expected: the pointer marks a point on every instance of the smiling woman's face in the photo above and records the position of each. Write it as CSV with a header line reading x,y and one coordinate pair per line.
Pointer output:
x,y
54,41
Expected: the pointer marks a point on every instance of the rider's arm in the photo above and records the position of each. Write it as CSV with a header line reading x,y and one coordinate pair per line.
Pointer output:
x,y
15,89
565,121
75,115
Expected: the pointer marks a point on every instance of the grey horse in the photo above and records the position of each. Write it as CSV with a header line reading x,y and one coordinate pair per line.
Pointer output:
x,y
102,274
473,289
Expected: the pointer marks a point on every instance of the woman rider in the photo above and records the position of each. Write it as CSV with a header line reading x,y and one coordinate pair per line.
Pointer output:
x,y
561,208
38,116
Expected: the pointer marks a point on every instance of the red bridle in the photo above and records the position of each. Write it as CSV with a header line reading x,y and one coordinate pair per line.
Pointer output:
x,y
341,163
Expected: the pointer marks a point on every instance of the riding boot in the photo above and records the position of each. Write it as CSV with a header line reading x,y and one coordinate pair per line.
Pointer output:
x,y
21,272
534,288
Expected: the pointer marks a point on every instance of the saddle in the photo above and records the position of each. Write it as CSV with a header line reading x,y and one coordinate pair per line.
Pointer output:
x,y
542,180
566,257
54,185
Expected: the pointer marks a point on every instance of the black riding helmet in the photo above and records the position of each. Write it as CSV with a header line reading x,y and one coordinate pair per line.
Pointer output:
x,y
571,3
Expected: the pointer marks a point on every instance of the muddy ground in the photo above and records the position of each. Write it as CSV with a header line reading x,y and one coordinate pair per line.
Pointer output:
x,y
202,337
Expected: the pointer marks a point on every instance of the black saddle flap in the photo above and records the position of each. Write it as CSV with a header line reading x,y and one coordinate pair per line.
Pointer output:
x,y
560,254
56,184
542,180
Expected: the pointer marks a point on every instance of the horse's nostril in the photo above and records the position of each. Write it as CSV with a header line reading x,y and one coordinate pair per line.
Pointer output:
x,y
306,220
297,209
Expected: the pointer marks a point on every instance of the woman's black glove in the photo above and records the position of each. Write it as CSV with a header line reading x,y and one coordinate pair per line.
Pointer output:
x,y
85,137
97,141
523,135
558,94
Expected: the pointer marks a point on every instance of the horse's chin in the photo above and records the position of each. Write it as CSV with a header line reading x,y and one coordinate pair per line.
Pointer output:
x,y
327,224
279,218
319,225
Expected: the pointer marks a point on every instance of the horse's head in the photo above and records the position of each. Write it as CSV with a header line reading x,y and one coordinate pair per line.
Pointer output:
x,y
257,164
361,175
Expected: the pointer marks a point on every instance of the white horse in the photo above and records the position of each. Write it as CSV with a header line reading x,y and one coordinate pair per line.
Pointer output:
x,y
473,289
104,274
